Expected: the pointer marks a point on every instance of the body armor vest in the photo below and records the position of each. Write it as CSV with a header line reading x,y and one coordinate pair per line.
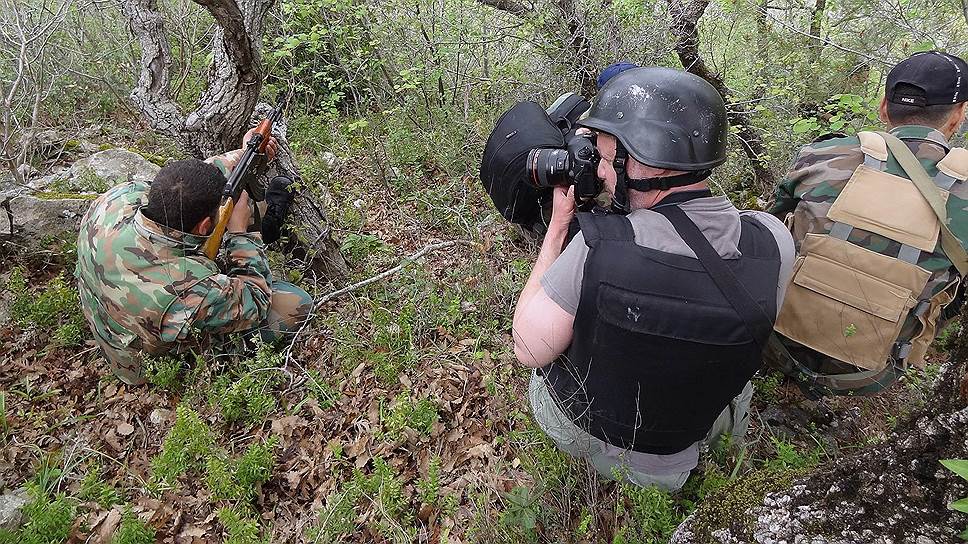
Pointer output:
x,y
862,307
658,351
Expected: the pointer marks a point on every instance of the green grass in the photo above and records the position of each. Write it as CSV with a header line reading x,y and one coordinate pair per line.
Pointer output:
x,y
48,519
54,308
240,527
92,488
164,371
408,413
187,446
239,479
132,530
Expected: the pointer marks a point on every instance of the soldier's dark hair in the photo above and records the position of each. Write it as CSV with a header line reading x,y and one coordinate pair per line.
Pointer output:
x,y
908,114
183,193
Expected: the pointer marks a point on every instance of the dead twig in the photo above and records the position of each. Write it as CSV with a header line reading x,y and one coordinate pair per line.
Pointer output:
x,y
373,279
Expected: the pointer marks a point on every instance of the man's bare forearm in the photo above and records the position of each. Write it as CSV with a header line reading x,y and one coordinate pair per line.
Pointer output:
x,y
551,248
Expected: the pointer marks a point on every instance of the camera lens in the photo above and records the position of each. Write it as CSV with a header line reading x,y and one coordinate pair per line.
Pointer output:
x,y
548,167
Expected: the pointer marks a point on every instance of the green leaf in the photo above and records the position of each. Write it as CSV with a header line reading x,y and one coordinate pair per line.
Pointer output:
x,y
923,46
804,125
960,505
958,466
964,535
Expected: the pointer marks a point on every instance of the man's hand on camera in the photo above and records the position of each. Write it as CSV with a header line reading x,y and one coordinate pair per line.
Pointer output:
x,y
563,209
271,148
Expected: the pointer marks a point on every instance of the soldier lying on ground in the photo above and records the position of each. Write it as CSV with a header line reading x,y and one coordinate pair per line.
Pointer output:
x,y
146,287
877,275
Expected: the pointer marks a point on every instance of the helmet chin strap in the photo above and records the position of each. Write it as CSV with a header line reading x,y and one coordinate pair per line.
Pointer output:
x,y
620,198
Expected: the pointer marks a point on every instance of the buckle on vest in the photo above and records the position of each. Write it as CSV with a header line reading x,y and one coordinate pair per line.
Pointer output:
x,y
901,351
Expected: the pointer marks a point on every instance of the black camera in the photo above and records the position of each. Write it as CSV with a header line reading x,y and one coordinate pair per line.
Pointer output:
x,y
575,164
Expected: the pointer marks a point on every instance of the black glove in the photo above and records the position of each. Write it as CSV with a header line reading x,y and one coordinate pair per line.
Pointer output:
x,y
279,197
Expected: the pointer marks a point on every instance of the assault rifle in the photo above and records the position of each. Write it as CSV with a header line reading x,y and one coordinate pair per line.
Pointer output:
x,y
239,179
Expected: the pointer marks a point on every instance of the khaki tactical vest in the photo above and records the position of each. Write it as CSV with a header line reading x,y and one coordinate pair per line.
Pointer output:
x,y
859,306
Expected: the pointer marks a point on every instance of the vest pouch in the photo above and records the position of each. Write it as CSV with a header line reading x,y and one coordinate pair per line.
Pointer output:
x,y
929,325
917,226
848,302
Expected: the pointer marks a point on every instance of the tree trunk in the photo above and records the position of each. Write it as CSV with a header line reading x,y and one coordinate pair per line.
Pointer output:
x,y
233,83
577,39
685,16
227,108
896,491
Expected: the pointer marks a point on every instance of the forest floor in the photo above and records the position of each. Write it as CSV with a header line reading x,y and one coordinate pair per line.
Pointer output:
x,y
397,415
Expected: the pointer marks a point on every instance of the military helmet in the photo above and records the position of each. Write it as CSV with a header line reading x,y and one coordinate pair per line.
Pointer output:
x,y
665,118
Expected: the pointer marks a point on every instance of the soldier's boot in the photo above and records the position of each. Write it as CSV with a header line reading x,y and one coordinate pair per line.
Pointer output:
x,y
288,310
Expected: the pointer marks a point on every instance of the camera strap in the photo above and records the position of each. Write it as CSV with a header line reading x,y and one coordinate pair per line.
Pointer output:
x,y
620,198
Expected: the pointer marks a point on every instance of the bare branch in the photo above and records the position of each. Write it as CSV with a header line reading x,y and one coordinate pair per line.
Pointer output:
x,y
510,6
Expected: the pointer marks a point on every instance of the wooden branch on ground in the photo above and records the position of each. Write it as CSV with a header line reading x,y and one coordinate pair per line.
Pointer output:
x,y
373,279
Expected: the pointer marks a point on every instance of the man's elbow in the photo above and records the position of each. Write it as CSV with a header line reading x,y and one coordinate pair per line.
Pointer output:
x,y
529,357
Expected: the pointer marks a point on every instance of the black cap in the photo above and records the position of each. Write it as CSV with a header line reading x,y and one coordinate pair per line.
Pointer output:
x,y
928,79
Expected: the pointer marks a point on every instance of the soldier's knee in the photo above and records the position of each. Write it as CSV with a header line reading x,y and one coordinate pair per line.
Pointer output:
x,y
289,308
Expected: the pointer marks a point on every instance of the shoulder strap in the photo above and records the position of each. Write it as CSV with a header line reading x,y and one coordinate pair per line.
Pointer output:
x,y
912,166
874,148
596,226
757,322
955,164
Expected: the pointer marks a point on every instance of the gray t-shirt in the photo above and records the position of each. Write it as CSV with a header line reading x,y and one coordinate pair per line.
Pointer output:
x,y
719,222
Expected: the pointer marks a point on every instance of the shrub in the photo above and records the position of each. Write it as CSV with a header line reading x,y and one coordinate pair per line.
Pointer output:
x,y
241,528
93,489
238,479
48,519
186,447
55,308
132,530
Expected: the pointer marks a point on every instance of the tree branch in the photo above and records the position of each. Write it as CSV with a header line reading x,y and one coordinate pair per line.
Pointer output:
x,y
510,6
685,16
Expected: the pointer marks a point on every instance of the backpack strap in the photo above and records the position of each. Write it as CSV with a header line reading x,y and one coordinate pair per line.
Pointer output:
x,y
874,148
817,385
952,169
596,227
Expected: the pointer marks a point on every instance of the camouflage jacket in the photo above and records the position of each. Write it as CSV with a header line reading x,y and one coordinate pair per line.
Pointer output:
x,y
147,288
821,171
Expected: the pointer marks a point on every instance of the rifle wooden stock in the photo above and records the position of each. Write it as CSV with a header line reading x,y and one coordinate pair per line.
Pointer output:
x,y
214,241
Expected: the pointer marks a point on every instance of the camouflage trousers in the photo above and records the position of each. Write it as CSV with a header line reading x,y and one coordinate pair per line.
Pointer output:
x,y
288,310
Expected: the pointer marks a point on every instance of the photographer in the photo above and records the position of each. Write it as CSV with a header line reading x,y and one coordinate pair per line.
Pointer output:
x,y
645,330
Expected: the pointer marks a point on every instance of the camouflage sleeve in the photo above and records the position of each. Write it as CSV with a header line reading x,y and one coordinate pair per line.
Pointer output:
x,y
234,301
226,161
785,197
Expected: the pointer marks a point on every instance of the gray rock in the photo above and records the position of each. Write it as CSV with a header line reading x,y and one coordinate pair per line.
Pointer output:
x,y
99,172
11,506
35,220
118,165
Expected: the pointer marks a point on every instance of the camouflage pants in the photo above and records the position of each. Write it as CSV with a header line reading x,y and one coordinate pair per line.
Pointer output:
x,y
288,310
